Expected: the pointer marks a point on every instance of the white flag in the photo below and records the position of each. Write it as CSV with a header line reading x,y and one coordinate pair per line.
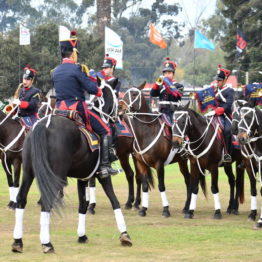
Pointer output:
x,y
64,33
24,38
114,46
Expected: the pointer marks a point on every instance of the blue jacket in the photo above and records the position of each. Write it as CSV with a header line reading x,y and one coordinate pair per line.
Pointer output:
x,y
225,99
30,99
70,83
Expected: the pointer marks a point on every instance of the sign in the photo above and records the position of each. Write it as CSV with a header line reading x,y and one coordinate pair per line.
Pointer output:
x,y
24,38
114,46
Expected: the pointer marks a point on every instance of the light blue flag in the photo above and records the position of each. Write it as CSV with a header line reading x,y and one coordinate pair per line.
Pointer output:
x,y
202,42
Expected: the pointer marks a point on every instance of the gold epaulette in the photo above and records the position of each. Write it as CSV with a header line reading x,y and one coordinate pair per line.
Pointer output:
x,y
85,69
51,71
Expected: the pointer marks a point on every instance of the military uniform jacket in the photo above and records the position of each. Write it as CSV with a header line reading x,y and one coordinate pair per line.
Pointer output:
x,y
30,99
70,83
225,98
167,95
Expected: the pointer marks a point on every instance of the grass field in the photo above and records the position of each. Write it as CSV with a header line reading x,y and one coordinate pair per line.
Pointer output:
x,y
154,237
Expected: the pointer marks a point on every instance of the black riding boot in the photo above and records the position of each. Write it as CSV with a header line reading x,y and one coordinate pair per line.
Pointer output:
x,y
105,166
228,149
112,151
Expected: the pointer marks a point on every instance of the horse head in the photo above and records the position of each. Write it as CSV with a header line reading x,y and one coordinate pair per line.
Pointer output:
x,y
132,101
248,125
181,120
237,105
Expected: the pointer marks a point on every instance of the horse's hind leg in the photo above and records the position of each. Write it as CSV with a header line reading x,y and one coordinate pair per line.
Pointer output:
x,y
185,172
28,177
17,172
232,206
108,188
92,195
215,191
82,209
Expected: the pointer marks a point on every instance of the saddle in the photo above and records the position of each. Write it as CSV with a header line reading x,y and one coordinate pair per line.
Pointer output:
x,y
122,129
91,137
168,126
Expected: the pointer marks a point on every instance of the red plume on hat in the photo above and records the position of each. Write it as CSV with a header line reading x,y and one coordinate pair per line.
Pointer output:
x,y
170,62
30,68
226,71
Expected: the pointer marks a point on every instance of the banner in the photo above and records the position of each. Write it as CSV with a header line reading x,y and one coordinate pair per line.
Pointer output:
x,y
206,99
24,36
156,38
241,42
64,33
114,46
202,42
254,92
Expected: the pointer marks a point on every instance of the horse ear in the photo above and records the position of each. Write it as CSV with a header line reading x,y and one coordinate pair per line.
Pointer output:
x,y
187,105
142,85
251,103
98,80
114,83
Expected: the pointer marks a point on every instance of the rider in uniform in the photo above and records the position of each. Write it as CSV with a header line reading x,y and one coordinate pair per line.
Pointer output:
x,y
168,90
28,97
225,96
70,81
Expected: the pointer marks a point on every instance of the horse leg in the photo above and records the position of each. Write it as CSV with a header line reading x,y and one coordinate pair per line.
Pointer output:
x,y
195,177
259,222
17,245
185,172
120,221
215,191
124,160
82,209
92,196
17,172
138,191
232,207
162,189
253,190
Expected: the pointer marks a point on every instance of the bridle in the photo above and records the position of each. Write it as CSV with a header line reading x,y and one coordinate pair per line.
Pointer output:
x,y
243,124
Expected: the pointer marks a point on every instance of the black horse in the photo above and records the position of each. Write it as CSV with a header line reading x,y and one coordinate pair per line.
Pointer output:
x,y
206,154
11,153
54,150
250,134
248,158
151,148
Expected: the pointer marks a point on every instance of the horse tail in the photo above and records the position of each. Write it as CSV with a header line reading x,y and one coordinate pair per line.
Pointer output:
x,y
240,184
203,185
50,185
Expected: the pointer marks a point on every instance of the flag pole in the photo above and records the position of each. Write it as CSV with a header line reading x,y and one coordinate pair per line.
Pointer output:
x,y
194,66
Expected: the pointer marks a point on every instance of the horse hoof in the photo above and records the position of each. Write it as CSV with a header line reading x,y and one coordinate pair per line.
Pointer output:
x,y
128,206
252,216
217,214
258,225
91,211
189,214
136,207
235,212
166,212
184,211
142,212
229,211
11,205
17,246
125,240
48,248
83,239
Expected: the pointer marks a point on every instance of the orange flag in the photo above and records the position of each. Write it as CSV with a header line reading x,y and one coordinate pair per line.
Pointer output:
x,y
156,38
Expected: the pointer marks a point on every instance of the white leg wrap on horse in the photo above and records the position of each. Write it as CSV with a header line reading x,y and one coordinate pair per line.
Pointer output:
x,y
253,203
145,199
164,199
120,221
15,192
19,216
81,229
217,201
92,195
11,195
87,194
193,202
44,227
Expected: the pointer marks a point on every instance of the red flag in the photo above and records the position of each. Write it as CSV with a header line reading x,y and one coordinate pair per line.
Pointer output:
x,y
241,41
156,38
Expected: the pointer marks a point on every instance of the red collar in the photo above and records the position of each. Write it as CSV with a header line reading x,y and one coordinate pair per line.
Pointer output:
x,y
27,88
68,61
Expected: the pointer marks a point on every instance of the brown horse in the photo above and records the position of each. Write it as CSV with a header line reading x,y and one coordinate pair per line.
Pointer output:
x,y
151,148
205,154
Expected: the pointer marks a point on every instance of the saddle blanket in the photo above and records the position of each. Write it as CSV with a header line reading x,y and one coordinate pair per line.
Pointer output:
x,y
28,121
92,138
122,129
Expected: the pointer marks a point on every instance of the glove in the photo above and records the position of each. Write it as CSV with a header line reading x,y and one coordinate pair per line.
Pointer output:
x,y
16,102
219,111
99,92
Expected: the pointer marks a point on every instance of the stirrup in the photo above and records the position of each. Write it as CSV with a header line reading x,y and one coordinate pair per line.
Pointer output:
x,y
107,171
227,158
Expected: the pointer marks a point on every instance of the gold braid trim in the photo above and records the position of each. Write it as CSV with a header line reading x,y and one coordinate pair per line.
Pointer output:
x,y
16,95
85,69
